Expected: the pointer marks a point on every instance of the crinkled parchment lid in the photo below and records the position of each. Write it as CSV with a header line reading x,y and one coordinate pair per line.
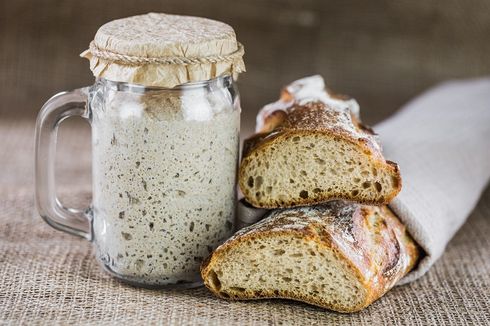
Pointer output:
x,y
164,50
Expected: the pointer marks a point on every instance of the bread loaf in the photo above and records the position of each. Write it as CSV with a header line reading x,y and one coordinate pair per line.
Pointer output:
x,y
311,148
341,256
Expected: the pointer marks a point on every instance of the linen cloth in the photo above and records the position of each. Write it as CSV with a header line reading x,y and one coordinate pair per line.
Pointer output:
x,y
441,141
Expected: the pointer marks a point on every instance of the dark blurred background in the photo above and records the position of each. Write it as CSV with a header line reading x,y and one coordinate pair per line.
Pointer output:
x,y
381,52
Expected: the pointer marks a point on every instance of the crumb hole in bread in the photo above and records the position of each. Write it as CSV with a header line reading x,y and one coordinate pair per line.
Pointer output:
x,y
303,194
317,190
215,282
375,172
268,190
355,192
279,252
320,161
365,173
333,171
296,139
250,182
378,186
357,180
224,294
303,172
237,289
298,254
291,181
366,184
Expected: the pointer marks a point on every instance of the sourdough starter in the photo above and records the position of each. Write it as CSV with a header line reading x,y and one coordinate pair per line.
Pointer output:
x,y
164,182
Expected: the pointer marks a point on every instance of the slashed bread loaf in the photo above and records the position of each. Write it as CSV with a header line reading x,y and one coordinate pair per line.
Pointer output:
x,y
311,147
341,256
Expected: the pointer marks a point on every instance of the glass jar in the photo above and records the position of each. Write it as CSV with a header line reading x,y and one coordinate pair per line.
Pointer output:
x,y
164,175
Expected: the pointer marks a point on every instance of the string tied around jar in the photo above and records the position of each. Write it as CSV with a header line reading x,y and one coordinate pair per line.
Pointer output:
x,y
168,60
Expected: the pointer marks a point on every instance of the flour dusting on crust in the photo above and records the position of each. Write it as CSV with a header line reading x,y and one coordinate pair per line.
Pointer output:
x,y
305,90
335,214
309,105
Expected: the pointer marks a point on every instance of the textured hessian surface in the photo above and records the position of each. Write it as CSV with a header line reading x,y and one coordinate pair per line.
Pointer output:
x,y
383,52
47,276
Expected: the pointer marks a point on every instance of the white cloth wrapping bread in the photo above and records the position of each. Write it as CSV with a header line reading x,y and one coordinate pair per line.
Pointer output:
x,y
441,141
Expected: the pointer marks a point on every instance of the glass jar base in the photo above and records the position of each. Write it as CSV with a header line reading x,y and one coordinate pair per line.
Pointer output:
x,y
153,286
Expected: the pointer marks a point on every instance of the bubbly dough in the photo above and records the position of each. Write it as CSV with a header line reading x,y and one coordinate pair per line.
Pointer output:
x,y
164,172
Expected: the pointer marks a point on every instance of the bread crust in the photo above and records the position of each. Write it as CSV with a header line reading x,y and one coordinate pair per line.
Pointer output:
x,y
381,252
315,118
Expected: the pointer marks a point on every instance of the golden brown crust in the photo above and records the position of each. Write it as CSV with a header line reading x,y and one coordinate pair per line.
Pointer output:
x,y
318,116
371,240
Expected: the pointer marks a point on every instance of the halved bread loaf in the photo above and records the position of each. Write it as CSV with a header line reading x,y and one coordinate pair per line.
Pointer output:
x,y
312,148
340,256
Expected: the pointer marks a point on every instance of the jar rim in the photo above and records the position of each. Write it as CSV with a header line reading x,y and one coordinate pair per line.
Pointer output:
x,y
221,81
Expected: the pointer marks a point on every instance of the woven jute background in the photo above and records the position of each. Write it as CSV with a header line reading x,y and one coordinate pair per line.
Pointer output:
x,y
381,52
48,277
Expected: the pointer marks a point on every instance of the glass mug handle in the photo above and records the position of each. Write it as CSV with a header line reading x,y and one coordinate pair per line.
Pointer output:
x,y
53,112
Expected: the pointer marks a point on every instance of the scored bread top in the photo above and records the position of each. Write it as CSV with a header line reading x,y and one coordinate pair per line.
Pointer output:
x,y
307,105
301,91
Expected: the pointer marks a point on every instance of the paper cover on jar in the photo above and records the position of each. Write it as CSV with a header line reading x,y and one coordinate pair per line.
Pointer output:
x,y
164,50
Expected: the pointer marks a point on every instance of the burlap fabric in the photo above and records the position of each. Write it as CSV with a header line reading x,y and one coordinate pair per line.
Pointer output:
x,y
48,277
